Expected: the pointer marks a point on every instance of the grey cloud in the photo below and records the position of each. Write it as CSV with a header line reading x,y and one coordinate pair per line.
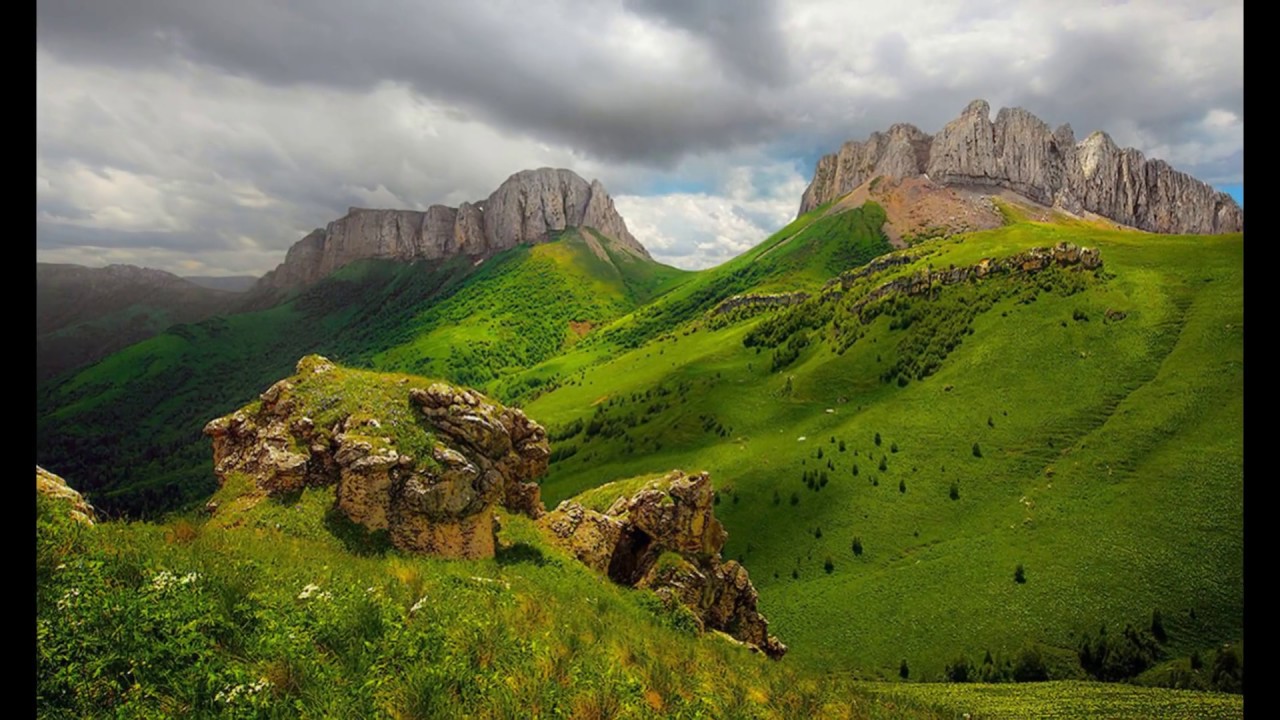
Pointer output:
x,y
745,34
260,121
550,70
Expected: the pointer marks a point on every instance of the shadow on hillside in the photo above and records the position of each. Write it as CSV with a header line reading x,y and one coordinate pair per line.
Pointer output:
x,y
354,537
520,553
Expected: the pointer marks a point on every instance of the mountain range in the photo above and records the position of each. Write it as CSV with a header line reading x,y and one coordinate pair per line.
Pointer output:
x,y
980,402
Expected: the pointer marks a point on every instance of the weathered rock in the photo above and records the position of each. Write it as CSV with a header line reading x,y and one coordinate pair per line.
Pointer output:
x,y
55,487
483,454
759,300
527,208
1020,153
665,538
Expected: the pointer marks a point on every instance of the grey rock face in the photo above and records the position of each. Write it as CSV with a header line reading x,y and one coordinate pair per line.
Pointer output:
x,y
528,208
1019,152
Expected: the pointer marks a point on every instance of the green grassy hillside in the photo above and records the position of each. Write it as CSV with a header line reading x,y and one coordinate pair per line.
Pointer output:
x,y
128,427
995,466
264,611
952,440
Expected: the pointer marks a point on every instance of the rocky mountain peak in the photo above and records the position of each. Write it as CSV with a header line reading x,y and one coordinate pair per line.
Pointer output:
x,y
528,207
1018,151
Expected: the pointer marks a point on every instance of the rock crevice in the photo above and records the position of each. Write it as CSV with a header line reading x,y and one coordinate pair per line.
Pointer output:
x,y
665,538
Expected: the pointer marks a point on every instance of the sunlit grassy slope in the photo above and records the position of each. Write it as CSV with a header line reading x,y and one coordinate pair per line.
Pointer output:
x,y
276,609
1019,422
1111,458
128,427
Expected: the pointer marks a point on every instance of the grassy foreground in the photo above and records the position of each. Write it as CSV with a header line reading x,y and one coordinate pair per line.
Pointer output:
x,y
274,609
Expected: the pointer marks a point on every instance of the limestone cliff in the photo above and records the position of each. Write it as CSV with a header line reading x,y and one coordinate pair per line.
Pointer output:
x,y
1019,152
527,208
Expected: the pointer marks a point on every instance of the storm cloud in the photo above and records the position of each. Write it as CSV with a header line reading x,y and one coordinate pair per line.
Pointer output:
x,y
205,138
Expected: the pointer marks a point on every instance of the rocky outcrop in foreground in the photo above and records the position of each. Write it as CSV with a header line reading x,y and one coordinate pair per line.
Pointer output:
x,y
437,500
1019,152
527,208
428,463
665,537
55,487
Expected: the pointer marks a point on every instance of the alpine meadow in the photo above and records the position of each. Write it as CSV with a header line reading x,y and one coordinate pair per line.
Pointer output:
x,y
962,437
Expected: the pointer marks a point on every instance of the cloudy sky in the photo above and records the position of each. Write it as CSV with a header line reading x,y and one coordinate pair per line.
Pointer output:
x,y
206,137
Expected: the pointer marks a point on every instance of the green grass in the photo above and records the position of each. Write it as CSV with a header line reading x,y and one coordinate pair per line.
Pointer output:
x,y
1112,467
1063,700
263,611
1111,450
128,428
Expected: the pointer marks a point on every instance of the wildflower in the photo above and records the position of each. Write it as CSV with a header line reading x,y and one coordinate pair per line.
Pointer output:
x,y
422,602
308,591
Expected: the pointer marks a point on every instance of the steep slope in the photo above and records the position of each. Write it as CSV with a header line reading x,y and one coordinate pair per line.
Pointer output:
x,y
892,448
1019,152
531,206
128,428
83,314
272,607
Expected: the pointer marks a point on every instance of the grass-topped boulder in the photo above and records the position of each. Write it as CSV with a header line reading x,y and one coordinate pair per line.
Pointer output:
x,y
661,533
424,461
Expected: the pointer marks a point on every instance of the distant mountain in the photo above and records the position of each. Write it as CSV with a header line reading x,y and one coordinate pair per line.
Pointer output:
x,y
1019,152
83,314
530,207
229,283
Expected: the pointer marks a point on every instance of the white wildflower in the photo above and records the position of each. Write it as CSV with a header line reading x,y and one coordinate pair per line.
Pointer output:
x,y
308,591
370,590
64,602
422,602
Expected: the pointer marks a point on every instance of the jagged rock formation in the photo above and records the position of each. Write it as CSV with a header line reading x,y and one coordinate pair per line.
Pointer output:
x,y
440,502
665,537
1021,153
475,454
1029,262
527,208
55,487
762,300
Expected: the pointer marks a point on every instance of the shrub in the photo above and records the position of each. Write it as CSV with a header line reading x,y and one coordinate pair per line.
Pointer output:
x,y
1157,627
1019,575
855,469
857,546
829,566
959,670
955,490
977,451
893,447
903,670
795,499
902,486
877,439
884,463
841,446
1030,666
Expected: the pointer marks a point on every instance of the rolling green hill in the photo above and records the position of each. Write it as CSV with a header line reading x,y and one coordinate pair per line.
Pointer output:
x,y
885,476
911,478
128,427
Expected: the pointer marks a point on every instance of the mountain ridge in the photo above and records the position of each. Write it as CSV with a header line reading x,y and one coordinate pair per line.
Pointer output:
x,y
527,208
1018,151
84,314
